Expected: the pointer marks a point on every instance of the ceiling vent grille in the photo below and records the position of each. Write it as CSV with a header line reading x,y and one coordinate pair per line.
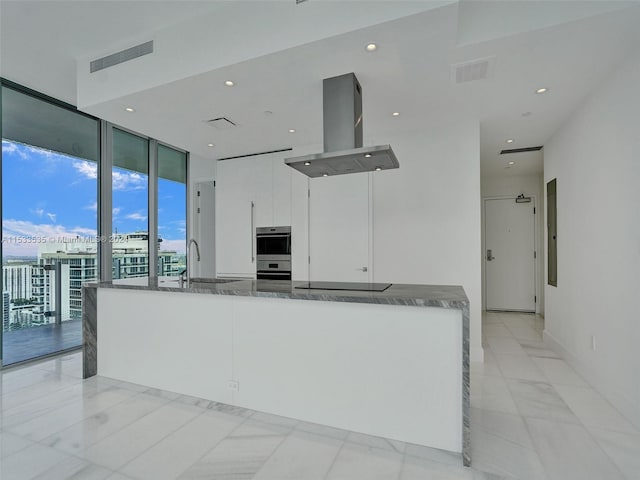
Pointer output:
x,y
221,123
471,71
521,150
121,57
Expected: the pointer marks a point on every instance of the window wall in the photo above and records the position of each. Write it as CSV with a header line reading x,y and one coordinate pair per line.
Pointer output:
x,y
130,205
82,200
49,223
172,208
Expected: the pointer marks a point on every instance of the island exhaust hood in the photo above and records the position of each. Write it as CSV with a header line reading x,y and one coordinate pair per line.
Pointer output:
x,y
342,129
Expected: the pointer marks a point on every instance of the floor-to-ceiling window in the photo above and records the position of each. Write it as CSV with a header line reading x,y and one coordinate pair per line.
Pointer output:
x,y
51,216
130,205
172,210
49,220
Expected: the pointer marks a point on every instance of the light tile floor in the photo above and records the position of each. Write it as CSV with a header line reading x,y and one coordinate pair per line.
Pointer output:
x,y
533,417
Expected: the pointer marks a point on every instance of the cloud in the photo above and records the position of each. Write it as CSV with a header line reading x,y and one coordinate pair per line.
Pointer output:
x,y
128,181
10,148
92,206
122,180
178,246
21,237
136,216
86,169
41,212
115,211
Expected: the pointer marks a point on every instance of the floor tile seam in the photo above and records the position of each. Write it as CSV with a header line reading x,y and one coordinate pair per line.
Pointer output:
x,y
587,426
508,440
61,387
42,441
79,402
244,419
155,443
266,460
622,475
602,449
84,449
20,449
335,459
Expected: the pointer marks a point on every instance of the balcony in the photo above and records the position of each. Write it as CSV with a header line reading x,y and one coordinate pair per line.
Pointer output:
x,y
37,341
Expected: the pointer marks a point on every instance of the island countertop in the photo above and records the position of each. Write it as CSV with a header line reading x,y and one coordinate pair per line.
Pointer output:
x,y
439,296
442,296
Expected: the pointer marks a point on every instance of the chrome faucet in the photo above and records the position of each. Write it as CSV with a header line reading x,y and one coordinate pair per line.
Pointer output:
x,y
188,271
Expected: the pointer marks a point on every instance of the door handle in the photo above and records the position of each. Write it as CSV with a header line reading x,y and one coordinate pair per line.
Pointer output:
x,y
363,269
490,255
253,256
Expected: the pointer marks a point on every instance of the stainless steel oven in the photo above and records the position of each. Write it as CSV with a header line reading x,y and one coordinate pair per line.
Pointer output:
x,y
273,253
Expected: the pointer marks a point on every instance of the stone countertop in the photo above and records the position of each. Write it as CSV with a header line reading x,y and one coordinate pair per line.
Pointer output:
x,y
443,296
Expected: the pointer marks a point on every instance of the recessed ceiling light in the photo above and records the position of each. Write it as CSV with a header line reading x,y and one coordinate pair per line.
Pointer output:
x,y
509,140
512,163
325,174
307,163
396,114
542,90
229,83
210,145
526,114
367,155
371,47
129,109
292,130
378,169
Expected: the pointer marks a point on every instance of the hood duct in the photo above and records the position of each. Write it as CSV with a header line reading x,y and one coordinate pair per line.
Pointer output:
x,y
342,131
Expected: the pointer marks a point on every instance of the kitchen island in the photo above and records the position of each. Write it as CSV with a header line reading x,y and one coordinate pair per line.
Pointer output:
x,y
393,364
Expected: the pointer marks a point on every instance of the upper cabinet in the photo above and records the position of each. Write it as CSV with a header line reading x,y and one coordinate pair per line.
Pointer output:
x,y
251,192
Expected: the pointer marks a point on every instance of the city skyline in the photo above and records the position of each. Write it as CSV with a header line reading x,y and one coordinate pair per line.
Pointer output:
x,y
59,200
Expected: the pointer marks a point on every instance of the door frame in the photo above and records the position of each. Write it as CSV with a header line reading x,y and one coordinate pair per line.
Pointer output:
x,y
536,246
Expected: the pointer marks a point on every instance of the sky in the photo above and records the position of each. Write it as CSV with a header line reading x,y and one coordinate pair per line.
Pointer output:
x,y
46,194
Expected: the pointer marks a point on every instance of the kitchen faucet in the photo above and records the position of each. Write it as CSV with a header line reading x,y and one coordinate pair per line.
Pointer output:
x,y
188,269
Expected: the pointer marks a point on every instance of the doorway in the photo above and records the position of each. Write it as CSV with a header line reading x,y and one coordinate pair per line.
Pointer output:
x,y
510,254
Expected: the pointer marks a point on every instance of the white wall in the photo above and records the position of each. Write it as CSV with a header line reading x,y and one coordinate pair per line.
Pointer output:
x,y
426,214
595,157
529,185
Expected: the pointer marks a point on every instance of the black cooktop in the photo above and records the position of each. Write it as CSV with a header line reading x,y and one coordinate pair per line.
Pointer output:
x,y
357,286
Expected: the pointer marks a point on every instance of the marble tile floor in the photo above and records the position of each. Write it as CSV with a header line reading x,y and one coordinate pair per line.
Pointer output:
x,y
533,417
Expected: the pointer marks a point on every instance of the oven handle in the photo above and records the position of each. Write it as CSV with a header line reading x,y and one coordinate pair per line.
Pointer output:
x,y
271,272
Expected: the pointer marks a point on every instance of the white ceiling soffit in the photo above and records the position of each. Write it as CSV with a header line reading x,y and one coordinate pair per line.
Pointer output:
x,y
480,21
234,32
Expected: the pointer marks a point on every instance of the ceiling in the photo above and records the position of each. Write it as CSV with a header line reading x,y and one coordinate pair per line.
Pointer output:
x,y
410,73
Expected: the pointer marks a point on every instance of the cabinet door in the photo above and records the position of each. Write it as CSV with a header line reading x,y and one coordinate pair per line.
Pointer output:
x,y
282,179
339,228
243,190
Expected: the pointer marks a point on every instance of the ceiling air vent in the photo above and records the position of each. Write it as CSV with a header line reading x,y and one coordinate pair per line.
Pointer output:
x,y
221,123
471,71
520,150
121,57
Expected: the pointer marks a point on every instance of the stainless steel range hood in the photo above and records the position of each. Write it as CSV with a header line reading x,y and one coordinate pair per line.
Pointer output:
x,y
342,127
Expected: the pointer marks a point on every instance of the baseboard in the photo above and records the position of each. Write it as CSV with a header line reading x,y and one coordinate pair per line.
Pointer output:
x,y
618,399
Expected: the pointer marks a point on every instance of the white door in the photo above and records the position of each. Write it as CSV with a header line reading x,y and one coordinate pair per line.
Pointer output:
x,y
205,229
339,228
510,255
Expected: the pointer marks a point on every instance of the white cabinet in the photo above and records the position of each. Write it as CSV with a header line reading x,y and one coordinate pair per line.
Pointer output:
x,y
340,228
250,192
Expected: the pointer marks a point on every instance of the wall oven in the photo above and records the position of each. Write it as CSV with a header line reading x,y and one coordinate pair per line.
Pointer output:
x,y
273,253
